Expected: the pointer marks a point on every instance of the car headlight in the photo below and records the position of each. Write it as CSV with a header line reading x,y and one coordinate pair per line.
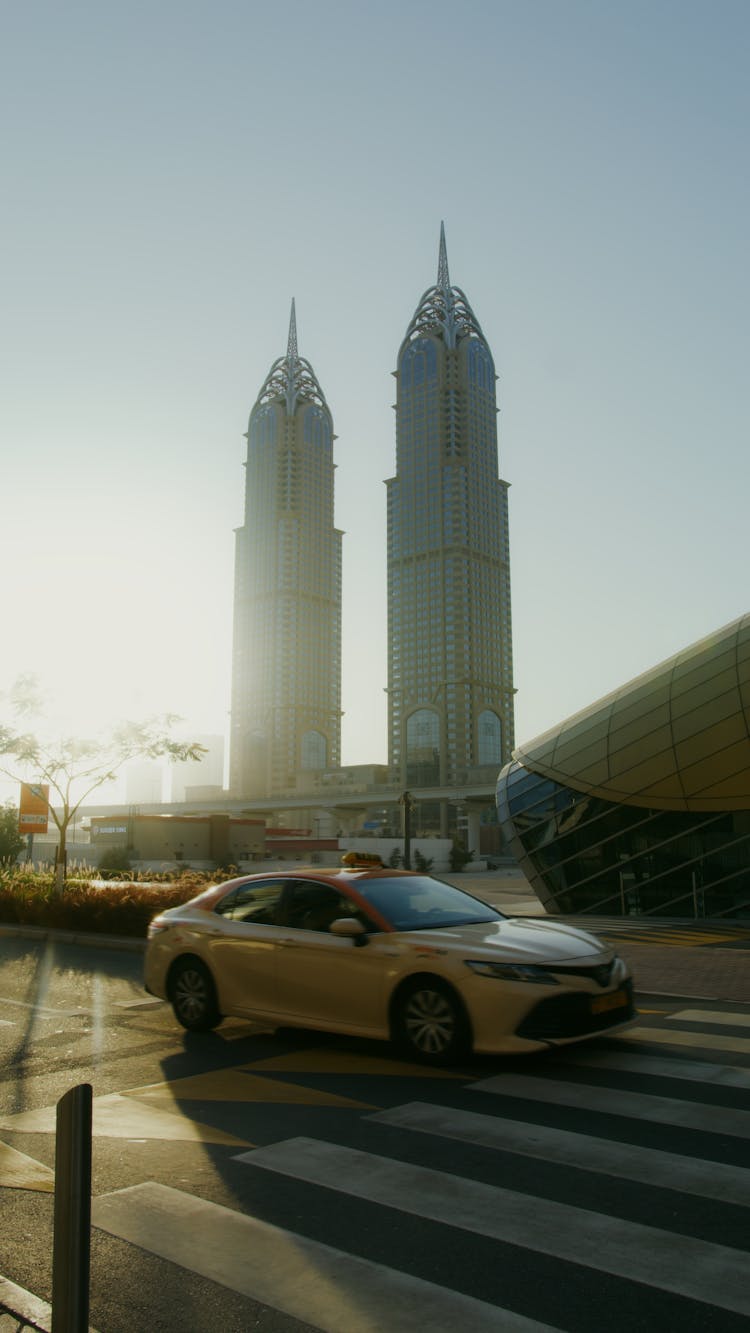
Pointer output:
x,y
156,927
513,972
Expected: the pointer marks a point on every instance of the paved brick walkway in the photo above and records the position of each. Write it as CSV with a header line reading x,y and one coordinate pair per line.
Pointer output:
x,y
709,974
704,973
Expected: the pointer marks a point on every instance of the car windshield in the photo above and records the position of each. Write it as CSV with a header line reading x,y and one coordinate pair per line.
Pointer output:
x,y
419,902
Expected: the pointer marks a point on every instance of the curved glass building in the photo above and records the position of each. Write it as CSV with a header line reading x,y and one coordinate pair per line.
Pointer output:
x,y
640,804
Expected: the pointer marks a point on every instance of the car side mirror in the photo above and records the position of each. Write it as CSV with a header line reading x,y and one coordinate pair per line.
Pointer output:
x,y
350,929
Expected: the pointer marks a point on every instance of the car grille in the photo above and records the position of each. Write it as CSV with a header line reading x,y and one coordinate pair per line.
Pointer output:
x,y
561,1016
601,974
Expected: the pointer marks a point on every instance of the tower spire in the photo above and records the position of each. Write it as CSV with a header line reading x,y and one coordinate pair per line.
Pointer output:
x,y
291,348
291,377
443,277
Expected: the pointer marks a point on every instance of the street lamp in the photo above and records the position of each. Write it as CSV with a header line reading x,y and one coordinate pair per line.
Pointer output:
x,y
406,800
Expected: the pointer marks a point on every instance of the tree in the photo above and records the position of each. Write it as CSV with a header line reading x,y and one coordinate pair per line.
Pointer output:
x,y
11,841
73,767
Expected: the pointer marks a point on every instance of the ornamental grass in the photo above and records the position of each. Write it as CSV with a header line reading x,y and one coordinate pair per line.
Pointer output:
x,y
124,907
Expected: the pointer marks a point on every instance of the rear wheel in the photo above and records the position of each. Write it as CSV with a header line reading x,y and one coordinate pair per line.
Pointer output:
x,y
430,1022
193,996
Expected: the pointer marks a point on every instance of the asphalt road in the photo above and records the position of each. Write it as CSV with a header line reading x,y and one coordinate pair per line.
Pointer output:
x,y
251,1179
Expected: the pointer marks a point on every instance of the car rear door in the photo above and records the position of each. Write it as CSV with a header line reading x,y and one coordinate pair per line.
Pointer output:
x,y
243,948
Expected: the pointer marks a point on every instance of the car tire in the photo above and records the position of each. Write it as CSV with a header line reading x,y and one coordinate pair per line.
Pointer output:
x,y
193,996
430,1022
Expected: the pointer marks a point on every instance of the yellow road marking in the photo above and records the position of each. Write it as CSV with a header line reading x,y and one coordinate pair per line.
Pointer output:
x,y
239,1085
19,1172
118,1117
688,939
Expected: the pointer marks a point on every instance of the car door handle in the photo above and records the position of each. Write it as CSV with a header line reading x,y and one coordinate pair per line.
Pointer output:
x,y
288,944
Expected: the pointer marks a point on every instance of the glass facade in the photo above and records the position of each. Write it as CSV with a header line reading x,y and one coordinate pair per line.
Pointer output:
x,y
641,803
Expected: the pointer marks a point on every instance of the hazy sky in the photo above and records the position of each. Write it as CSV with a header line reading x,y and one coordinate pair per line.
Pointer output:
x,y
175,172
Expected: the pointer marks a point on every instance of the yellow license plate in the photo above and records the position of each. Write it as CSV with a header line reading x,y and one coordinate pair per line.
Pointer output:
x,y
617,1000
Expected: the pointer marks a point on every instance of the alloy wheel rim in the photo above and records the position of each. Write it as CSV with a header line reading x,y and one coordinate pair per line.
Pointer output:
x,y
430,1022
190,994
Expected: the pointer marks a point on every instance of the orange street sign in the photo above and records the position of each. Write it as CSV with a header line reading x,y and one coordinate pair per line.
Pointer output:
x,y
33,808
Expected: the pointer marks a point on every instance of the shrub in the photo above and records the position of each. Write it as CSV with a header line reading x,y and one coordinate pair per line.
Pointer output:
x,y
423,863
395,859
114,860
459,856
28,898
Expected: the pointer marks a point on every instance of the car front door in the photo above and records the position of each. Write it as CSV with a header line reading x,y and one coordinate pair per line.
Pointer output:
x,y
325,978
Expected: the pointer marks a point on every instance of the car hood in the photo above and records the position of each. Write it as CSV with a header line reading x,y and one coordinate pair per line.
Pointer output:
x,y
514,941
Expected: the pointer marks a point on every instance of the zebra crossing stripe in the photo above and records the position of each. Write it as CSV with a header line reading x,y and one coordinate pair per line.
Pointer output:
x,y
699,1270
650,1166
717,1041
692,1071
316,1283
617,1101
718,1016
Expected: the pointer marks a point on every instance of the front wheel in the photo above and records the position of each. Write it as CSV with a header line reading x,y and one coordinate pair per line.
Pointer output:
x,y
193,996
430,1022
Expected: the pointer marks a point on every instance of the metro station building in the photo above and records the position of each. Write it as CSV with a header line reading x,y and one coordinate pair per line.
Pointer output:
x,y
640,804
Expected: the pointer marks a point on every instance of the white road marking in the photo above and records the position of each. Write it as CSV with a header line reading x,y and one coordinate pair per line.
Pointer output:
x,y
716,1041
617,1101
692,1071
718,1016
698,1269
650,1166
322,1286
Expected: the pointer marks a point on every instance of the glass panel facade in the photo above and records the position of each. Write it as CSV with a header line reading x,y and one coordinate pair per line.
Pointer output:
x,y
490,747
585,854
314,750
641,804
423,748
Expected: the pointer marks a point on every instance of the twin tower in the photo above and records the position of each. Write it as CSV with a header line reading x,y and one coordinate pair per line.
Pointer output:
x,y
450,670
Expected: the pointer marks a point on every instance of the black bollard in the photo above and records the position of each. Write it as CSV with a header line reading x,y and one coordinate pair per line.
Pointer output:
x,y
71,1259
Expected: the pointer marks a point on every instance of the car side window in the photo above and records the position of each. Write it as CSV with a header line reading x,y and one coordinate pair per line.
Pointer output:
x,y
256,903
311,906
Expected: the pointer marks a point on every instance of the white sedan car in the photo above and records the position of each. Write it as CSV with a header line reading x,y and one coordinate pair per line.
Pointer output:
x,y
383,953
